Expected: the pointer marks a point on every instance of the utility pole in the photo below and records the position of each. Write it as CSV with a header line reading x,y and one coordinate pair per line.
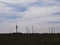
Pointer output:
x,y
49,30
32,29
27,30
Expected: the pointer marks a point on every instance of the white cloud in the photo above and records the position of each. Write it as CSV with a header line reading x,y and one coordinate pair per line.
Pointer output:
x,y
19,1
34,12
4,9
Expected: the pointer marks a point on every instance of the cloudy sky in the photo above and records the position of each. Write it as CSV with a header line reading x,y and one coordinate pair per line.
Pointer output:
x,y
41,14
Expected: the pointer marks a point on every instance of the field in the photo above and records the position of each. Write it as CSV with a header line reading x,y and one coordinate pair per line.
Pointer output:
x,y
29,39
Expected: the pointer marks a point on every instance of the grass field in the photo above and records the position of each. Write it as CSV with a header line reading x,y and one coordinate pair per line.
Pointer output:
x,y
29,39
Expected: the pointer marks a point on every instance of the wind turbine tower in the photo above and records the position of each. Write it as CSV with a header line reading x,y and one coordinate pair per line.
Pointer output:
x,y
51,29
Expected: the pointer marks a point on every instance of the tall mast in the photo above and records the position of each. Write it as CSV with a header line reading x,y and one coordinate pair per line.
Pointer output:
x,y
16,28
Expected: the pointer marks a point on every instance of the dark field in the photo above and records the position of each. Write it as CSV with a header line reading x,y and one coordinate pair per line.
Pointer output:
x,y
29,39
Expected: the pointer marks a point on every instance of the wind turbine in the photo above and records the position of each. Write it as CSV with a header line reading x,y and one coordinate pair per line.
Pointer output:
x,y
54,29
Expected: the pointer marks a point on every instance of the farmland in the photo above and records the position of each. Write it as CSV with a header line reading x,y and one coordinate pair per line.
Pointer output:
x,y
30,39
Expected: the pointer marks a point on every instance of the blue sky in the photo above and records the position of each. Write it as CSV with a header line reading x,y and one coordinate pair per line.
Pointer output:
x,y
28,13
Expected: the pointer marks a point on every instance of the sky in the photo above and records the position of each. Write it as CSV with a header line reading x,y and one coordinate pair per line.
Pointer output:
x,y
41,14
